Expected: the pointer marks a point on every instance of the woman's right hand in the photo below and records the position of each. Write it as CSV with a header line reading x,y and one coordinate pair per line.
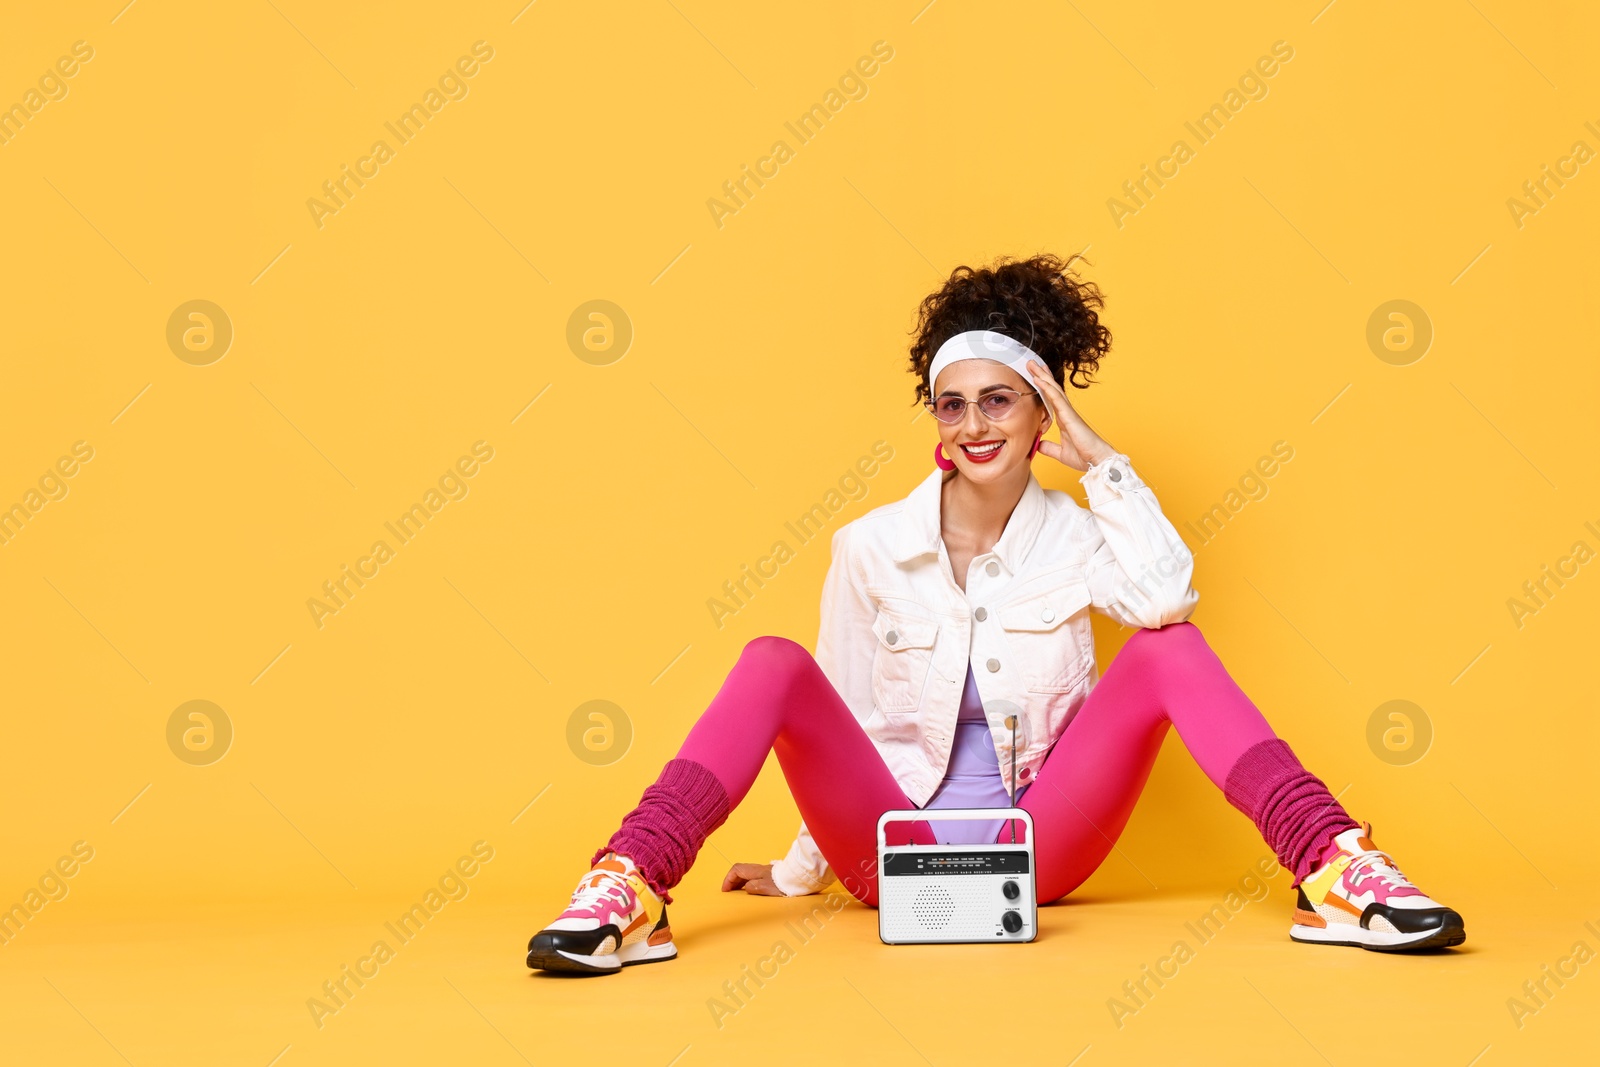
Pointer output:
x,y
754,878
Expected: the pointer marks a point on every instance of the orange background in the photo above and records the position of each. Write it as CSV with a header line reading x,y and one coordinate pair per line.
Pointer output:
x,y
766,355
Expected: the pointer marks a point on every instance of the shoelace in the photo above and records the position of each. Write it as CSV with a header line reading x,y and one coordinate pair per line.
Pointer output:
x,y
609,884
1377,863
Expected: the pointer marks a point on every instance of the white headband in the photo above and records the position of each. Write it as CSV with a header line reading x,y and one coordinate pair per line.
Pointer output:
x,y
985,344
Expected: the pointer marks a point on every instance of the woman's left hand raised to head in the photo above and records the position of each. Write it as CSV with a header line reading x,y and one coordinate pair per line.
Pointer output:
x,y
1079,445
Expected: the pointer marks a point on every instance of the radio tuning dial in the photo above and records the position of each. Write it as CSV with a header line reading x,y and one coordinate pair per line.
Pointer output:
x,y
1010,890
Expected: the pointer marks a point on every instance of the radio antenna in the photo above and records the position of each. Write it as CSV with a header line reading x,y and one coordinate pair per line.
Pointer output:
x,y
1011,721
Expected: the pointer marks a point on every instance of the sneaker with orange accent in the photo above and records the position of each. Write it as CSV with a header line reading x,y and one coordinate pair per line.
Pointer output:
x,y
615,920
1359,897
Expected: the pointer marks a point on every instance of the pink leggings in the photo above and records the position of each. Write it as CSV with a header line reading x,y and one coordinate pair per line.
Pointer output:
x,y
777,699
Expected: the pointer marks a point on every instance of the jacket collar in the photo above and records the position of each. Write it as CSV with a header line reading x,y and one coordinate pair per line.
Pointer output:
x,y
918,529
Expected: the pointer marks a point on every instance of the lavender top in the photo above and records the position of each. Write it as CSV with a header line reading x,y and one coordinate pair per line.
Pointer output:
x,y
974,778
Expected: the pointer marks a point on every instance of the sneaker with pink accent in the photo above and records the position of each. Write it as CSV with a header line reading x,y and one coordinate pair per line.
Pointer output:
x,y
1359,897
614,921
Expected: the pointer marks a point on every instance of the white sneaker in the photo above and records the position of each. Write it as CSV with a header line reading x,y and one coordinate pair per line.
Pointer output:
x,y
614,921
1359,897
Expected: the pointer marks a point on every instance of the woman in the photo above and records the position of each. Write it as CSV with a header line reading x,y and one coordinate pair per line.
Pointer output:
x,y
966,600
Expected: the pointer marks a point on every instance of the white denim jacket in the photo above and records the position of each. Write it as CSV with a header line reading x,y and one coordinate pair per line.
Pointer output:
x,y
898,633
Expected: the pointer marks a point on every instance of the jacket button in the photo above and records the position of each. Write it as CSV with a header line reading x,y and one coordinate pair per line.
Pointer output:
x,y
1024,773
1115,475
1048,615
993,568
981,614
892,636
993,665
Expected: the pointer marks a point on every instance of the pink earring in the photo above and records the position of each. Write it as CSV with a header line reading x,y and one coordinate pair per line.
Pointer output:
x,y
1036,442
938,457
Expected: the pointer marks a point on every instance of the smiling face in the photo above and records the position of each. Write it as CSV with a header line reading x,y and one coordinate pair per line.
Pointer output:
x,y
984,449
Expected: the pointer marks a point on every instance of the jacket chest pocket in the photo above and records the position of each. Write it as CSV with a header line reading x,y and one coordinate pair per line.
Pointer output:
x,y
1048,629
901,663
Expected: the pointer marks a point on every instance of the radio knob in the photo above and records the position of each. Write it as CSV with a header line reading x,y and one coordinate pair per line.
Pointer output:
x,y
1010,890
1011,921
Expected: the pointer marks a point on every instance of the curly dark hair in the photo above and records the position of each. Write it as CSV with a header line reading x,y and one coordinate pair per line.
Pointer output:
x,y
1036,301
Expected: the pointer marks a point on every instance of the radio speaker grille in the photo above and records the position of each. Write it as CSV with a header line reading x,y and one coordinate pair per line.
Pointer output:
x,y
933,907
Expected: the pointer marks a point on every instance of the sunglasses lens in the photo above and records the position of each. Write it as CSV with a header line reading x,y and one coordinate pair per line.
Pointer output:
x,y
949,408
995,405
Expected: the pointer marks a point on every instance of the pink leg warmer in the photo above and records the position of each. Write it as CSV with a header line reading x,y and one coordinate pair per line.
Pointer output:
x,y
678,811
1292,808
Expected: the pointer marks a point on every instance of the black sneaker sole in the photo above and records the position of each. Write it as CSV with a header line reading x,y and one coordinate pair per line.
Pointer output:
x,y
1446,937
547,958
545,955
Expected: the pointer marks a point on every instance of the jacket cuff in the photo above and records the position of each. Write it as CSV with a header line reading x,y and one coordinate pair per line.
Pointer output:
x,y
1109,480
793,885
